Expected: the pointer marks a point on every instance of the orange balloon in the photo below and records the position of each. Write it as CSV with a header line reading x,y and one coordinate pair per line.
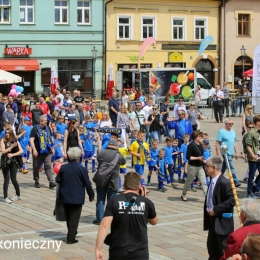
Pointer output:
x,y
99,115
86,108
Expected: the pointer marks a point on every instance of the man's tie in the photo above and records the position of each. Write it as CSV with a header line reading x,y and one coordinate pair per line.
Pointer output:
x,y
209,197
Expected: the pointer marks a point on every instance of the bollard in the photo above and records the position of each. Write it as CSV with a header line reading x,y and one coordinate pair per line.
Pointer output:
x,y
224,149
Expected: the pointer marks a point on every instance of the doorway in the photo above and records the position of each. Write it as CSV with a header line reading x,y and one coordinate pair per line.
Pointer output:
x,y
205,68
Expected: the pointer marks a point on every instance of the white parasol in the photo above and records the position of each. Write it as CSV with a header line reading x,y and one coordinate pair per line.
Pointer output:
x,y
110,81
9,78
54,80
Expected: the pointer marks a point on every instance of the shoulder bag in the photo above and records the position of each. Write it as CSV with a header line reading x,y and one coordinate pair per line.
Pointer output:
x,y
142,127
108,238
127,127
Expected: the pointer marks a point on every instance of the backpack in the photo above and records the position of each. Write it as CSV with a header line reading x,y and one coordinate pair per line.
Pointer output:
x,y
104,172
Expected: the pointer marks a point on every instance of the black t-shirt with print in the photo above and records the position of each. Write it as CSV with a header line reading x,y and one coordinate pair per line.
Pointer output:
x,y
129,239
155,126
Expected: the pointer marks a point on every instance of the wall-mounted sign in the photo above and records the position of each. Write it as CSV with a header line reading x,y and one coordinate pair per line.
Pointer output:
x,y
134,58
175,56
18,51
76,77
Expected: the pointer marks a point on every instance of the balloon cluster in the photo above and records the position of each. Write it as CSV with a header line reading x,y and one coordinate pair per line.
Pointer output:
x,y
15,90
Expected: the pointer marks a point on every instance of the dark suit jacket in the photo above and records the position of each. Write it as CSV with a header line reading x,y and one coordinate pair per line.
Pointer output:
x,y
236,239
73,179
223,201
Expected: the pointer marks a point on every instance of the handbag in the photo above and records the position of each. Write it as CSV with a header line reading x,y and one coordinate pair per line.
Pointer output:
x,y
59,211
220,103
142,127
108,238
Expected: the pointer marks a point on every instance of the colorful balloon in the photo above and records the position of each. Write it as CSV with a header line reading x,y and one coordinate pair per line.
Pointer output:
x,y
56,168
22,89
13,92
13,86
99,115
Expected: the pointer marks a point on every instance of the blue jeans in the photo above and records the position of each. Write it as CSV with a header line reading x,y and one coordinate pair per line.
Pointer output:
x,y
240,103
155,135
234,107
232,168
166,129
148,135
252,169
102,193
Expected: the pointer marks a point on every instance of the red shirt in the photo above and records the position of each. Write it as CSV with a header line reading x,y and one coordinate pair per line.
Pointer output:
x,y
44,107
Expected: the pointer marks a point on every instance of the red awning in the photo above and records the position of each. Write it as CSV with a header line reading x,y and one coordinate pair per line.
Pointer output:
x,y
19,65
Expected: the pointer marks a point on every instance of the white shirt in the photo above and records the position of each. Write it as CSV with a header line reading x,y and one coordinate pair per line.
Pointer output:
x,y
176,109
60,96
105,124
147,111
210,196
218,93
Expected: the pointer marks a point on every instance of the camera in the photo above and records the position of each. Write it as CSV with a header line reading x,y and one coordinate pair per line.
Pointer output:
x,y
9,161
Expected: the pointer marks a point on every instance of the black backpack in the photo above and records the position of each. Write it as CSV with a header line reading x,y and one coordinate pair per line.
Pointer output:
x,y
104,172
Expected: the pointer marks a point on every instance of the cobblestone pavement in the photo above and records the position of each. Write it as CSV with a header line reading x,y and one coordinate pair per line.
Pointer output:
x,y
178,235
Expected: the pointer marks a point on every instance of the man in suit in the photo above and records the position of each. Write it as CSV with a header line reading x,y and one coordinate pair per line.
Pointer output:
x,y
250,217
218,203
80,114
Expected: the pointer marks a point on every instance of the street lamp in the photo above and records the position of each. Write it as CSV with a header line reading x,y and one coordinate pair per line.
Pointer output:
x,y
94,53
243,54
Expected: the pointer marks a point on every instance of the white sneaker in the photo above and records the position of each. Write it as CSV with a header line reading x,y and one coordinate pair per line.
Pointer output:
x,y
7,200
28,161
15,198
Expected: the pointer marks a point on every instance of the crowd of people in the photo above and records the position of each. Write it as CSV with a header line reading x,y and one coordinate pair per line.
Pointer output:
x,y
59,129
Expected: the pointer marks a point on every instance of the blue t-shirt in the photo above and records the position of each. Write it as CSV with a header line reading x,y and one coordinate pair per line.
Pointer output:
x,y
206,154
87,145
2,134
154,157
57,149
23,140
183,150
168,154
182,129
28,130
61,128
105,140
86,126
229,138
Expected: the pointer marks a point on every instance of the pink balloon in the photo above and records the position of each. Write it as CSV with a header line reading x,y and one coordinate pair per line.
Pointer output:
x,y
13,92
17,93
13,86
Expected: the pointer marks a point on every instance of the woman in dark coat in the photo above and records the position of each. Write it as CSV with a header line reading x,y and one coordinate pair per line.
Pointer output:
x,y
73,180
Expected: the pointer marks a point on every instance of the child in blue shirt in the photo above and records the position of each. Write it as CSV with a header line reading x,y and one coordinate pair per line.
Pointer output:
x,y
61,127
95,121
57,156
162,170
88,150
23,140
87,124
168,156
27,128
176,157
7,125
154,153
184,160
105,140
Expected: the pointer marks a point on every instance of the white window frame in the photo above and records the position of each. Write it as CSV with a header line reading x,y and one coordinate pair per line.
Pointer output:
x,y
206,27
2,7
154,25
130,24
184,27
61,8
83,9
26,7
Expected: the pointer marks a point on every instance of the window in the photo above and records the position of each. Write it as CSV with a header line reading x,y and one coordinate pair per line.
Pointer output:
x,y
124,28
46,76
200,28
178,29
26,11
4,11
148,27
61,11
83,12
243,24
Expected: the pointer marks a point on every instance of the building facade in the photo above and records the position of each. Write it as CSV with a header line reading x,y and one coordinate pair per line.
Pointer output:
x,y
36,35
178,26
240,20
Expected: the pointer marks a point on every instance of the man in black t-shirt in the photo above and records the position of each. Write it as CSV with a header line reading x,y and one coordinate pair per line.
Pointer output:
x,y
127,214
36,113
78,99
164,111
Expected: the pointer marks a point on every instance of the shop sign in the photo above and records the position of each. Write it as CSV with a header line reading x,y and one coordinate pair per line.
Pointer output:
x,y
18,51
175,56
134,58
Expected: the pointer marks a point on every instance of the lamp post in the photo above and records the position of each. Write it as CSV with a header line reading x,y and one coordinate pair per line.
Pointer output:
x,y
243,54
94,53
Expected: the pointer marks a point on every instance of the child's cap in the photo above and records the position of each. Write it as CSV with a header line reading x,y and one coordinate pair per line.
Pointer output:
x,y
205,141
26,119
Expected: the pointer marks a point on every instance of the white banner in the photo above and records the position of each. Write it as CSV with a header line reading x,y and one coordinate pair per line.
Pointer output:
x,y
256,80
